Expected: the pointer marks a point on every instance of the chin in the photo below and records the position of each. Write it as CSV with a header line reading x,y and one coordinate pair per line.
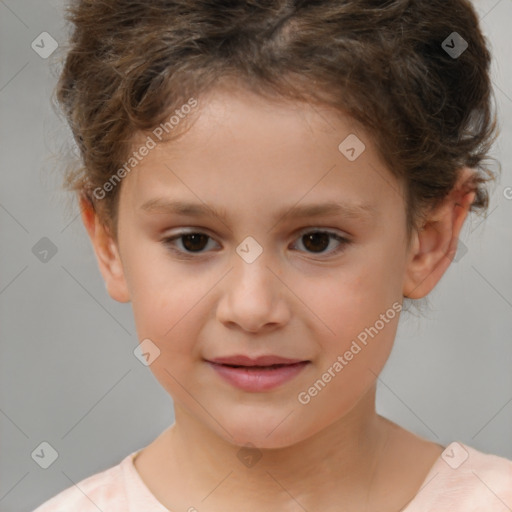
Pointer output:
x,y
264,433
261,441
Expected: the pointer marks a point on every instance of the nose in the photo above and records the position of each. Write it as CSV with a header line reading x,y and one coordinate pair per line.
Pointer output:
x,y
253,297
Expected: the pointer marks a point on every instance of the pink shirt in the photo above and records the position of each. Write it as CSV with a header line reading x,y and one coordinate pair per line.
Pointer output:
x,y
461,480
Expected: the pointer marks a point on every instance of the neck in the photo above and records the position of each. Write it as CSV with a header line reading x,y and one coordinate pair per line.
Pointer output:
x,y
337,461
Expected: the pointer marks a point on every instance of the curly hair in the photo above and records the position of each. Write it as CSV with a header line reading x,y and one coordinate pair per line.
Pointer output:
x,y
131,63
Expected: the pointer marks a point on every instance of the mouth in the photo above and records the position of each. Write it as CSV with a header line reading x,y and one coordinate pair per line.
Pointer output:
x,y
256,375
256,367
267,361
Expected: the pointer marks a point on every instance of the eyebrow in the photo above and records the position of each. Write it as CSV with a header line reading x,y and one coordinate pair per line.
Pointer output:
x,y
363,211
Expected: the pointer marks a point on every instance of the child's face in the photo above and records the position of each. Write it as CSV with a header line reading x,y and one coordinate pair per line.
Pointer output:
x,y
254,161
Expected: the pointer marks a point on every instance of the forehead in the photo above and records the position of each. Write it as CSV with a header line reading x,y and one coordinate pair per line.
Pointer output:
x,y
243,148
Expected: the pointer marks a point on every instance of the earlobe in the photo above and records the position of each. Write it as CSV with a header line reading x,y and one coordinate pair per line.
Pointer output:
x,y
435,245
107,253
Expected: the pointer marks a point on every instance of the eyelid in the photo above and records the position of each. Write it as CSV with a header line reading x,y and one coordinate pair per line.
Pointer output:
x,y
323,229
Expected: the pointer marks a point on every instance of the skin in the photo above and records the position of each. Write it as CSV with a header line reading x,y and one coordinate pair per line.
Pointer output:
x,y
251,157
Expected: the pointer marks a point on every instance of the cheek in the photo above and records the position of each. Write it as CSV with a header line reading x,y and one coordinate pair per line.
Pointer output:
x,y
165,309
355,310
360,324
159,292
169,307
167,314
350,297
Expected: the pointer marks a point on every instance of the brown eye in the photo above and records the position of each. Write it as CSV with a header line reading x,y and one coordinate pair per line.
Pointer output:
x,y
316,242
191,243
194,241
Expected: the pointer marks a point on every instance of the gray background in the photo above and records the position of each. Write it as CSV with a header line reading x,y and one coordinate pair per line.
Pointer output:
x,y
68,375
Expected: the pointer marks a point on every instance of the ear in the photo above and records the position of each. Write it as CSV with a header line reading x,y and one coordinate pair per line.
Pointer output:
x,y
107,253
435,244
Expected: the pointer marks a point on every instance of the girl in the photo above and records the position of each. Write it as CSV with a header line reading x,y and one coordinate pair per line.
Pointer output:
x,y
260,129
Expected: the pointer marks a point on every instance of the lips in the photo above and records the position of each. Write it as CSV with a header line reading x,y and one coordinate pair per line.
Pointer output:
x,y
258,374
261,361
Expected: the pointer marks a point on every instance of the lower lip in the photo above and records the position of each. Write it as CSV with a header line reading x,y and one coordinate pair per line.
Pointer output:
x,y
260,379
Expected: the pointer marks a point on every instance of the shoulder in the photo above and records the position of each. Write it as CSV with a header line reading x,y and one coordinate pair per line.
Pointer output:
x,y
102,491
465,479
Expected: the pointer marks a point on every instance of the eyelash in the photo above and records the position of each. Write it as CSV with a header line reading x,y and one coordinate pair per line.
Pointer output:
x,y
169,242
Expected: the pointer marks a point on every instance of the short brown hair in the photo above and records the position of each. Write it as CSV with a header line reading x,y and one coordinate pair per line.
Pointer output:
x,y
131,63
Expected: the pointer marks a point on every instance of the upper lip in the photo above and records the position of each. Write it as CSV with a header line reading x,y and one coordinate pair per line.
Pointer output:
x,y
241,360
